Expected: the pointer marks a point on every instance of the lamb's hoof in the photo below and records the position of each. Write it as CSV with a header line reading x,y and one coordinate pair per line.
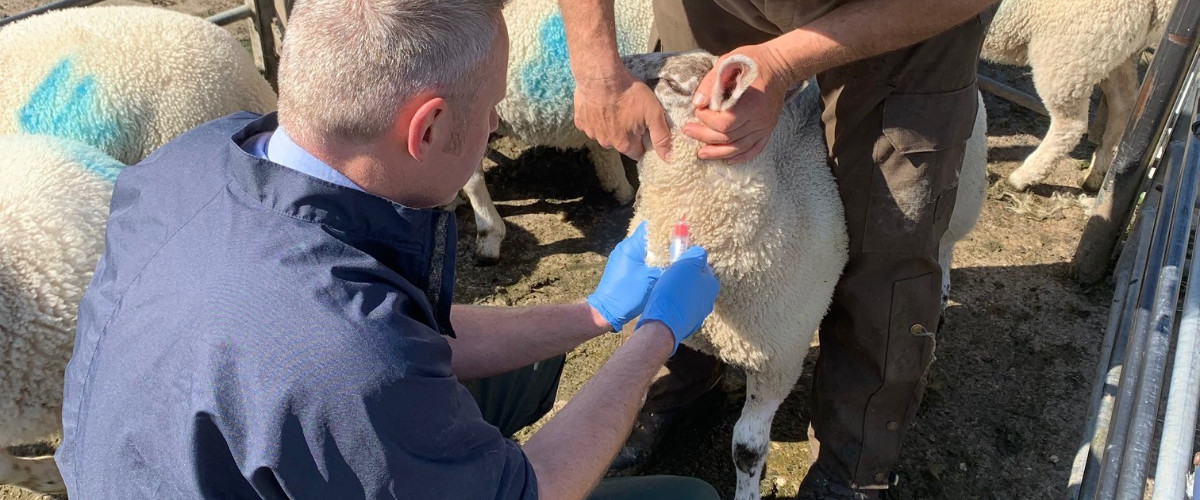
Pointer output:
x,y
487,246
1091,183
1020,182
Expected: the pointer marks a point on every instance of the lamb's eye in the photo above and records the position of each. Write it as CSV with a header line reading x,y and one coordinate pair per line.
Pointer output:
x,y
676,87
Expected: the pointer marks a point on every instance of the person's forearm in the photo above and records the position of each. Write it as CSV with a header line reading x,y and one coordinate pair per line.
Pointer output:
x,y
867,28
494,340
573,450
591,38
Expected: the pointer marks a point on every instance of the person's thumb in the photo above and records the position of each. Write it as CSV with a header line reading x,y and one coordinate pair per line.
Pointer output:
x,y
696,255
701,99
660,133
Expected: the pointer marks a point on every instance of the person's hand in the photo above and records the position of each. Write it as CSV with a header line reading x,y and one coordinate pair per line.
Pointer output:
x,y
742,132
683,296
617,112
627,281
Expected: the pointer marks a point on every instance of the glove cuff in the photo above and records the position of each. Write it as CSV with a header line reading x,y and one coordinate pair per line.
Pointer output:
x,y
613,323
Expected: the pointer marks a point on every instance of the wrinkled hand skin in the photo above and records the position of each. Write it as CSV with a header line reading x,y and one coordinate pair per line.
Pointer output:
x,y
618,112
739,134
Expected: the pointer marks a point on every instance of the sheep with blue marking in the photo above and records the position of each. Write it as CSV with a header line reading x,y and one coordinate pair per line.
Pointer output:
x,y
538,108
85,91
53,208
123,79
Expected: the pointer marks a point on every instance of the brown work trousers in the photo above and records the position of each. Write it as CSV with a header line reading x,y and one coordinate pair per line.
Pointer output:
x,y
895,126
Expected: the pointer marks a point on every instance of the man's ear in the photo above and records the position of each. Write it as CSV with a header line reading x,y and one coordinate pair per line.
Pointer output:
x,y
429,122
734,75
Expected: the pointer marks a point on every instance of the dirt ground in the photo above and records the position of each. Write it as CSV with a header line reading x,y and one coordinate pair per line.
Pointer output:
x,y
1008,396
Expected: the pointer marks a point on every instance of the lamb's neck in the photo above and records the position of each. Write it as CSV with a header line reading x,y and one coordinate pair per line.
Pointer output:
x,y
725,205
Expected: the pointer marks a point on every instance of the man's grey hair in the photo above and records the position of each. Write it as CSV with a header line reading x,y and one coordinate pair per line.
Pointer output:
x,y
347,65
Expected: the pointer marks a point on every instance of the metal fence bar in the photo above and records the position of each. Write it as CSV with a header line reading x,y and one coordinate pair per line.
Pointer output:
x,y
231,16
1183,399
1137,450
1161,88
1114,451
60,4
1085,471
1013,95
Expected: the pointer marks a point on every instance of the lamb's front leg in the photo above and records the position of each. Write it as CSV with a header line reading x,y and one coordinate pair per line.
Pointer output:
x,y
765,391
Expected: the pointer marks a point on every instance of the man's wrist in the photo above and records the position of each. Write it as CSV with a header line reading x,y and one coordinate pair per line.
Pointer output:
x,y
657,335
599,324
788,64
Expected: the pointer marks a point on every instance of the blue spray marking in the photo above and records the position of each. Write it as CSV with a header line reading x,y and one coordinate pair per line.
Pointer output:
x,y
94,161
547,78
67,109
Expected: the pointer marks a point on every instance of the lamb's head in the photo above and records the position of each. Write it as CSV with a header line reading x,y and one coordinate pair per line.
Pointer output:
x,y
674,77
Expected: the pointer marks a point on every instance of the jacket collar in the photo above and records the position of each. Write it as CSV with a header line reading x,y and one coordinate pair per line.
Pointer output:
x,y
419,244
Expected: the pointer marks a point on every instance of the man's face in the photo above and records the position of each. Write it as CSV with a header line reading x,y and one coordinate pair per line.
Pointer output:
x,y
476,115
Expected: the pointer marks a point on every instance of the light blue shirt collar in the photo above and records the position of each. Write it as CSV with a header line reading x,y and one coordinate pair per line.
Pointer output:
x,y
279,148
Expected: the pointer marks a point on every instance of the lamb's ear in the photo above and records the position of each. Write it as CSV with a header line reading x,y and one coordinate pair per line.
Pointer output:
x,y
734,76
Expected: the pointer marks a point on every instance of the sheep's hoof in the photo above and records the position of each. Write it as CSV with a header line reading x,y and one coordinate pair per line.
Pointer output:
x,y
1019,182
1091,183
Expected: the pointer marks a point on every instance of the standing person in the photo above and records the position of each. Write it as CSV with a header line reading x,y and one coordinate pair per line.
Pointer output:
x,y
271,316
897,80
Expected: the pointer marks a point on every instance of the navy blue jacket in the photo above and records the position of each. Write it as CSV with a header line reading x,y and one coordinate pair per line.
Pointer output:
x,y
252,331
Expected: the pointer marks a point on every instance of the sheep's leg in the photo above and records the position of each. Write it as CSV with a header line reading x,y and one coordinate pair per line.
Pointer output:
x,y
489,227
37,474
1068,122
765,391
945,256
611,172
1120,89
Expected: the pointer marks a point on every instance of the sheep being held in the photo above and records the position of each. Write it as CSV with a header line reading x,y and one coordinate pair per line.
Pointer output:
x,y
774,229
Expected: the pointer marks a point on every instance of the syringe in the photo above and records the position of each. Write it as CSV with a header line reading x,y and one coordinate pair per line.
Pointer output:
x,y
679,239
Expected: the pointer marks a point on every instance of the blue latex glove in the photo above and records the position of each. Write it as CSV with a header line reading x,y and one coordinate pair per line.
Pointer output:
x,y
683,296
627,281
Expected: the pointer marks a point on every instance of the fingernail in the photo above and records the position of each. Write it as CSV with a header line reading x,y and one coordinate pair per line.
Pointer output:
x,y
697,99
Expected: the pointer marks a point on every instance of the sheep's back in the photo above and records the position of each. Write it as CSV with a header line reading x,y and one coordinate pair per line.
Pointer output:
x,y
123,79
1049,32
538,107
53,207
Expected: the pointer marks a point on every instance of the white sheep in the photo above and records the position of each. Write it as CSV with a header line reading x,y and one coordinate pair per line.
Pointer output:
x,y
538,108
53,207
1071,47
972,191
123,79
775,233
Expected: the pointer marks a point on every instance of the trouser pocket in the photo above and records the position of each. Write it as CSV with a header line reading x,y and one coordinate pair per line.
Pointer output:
x,y
918,156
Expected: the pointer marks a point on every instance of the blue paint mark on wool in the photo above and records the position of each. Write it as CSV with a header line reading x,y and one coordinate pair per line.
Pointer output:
x,y
94,161
547,78
65,108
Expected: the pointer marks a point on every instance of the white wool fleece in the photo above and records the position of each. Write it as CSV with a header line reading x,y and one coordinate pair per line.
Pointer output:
x,y
123,79
53,208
